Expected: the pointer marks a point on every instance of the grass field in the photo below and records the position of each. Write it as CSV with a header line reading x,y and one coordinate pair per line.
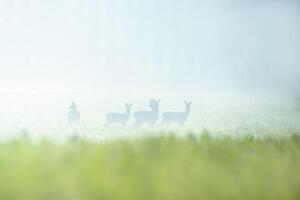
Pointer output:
x,y
161,167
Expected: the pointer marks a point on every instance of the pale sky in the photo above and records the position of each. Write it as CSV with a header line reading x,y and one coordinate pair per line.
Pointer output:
x,y
148,45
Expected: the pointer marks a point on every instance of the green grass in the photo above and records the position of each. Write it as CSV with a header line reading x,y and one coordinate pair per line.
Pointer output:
x,y
163,167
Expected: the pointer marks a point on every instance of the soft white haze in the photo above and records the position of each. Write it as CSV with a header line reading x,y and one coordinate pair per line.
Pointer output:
x,y
101,53
137,44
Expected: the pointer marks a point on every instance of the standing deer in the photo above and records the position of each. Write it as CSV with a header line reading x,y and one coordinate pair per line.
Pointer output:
x,y
177,117
119,118
73,114
149,117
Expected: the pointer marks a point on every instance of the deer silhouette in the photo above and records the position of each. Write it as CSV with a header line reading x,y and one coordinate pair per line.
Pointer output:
x,y
177,117
149,117
119,118
73,114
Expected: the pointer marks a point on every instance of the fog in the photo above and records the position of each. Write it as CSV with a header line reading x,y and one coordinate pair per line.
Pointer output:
x,y
103,53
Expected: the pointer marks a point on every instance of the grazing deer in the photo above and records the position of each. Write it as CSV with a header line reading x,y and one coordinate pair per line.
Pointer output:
x,y
119,118
149,117
73,114
177,117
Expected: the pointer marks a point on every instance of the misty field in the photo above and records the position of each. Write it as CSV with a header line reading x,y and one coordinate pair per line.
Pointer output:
x,y
160,167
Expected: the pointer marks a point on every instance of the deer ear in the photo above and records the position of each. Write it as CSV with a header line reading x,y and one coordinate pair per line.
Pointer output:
x,y
158,100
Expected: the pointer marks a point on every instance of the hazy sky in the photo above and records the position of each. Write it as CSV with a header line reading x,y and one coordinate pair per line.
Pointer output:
x,y
137,45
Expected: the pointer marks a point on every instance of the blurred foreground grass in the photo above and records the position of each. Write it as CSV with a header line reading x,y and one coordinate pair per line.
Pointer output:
x,y
163,167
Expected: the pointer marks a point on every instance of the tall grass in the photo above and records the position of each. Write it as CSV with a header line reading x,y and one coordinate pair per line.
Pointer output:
x,y
161,167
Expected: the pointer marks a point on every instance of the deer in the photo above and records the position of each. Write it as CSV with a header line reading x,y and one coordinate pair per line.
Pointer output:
x,y
177,117
73,114
119,118
148,117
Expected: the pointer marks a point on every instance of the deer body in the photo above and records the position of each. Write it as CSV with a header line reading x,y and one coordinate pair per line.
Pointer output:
x,y
149,117
73,114
119,118
177,117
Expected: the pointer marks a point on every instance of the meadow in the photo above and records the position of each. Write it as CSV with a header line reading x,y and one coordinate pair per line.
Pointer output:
x,y
152,167
232,147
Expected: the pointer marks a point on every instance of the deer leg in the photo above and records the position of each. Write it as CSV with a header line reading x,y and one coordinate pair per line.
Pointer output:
x,y
151,124
138,123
